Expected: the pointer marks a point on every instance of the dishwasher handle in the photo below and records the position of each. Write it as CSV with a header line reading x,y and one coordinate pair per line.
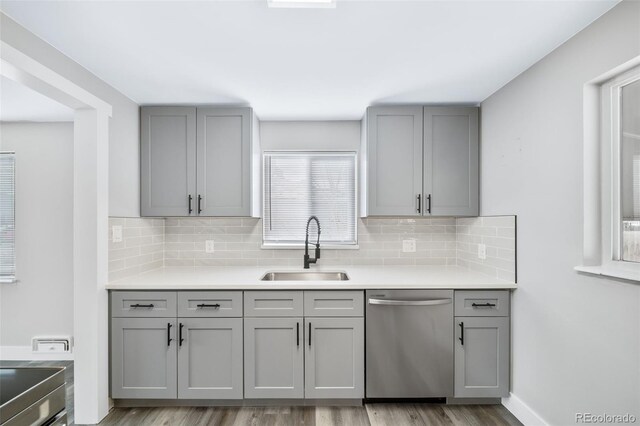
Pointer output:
x,y
399,302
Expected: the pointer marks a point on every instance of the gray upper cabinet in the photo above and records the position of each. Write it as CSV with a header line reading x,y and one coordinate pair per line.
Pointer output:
x,y
224,161
143,358
482,357
168,160
451,161
196,161
334,359
210,358
394,155
422,161
273,358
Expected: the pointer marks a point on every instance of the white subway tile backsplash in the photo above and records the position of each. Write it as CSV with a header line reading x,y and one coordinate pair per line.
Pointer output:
x,y
498,234
153,243
141,248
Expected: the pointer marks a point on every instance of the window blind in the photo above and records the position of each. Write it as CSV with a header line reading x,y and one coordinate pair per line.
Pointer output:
x,y
301,184
7,217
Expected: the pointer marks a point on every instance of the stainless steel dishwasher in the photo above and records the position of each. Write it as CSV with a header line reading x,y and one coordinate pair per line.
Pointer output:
x,y
409,345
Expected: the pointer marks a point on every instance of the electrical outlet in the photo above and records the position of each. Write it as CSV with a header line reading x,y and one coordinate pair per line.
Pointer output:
x,y
408,246
482,251
116,233
209,246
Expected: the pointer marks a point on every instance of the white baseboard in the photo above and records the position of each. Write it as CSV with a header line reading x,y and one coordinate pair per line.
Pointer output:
x,y
522,411
25,353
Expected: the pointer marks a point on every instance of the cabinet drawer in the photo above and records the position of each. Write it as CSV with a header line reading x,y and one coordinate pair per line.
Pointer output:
x,y
143,304
210,304
273,304
482,303
333,303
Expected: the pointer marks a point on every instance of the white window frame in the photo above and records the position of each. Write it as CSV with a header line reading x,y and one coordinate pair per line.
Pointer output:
x,y
287,246
602,184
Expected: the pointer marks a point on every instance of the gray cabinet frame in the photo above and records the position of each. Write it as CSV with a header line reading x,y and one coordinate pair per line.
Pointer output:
x,y
214,173
451,161
165,183
482,357
224,161
209,368
422,161
274,358
144,365
394,160
334,362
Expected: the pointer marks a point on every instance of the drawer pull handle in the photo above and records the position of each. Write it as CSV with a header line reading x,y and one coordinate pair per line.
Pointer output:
x,y
137,305
309,334
461,338
169,339
206,305
180,339
297,334
483,305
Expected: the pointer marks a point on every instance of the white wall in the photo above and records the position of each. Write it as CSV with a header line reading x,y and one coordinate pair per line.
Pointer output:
x,y
339,135
576,338
42,302
124,169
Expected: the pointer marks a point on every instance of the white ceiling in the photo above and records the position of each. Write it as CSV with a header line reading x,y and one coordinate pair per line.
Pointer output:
x,y
20,103
306,63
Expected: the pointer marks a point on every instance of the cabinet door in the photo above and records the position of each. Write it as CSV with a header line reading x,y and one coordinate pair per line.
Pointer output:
x,y
143,358
334,360
451,161
482,357
168,161
273,358
394,160
210,358
224,161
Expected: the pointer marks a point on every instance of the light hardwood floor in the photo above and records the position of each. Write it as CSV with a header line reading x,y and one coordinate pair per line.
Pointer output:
x,y
379,414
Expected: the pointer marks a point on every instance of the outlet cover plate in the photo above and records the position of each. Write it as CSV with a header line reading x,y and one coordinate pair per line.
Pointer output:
x,y
482,251
209,246
409,246
116,233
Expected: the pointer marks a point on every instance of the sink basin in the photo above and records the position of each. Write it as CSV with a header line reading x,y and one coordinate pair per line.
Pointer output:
x,y
305,276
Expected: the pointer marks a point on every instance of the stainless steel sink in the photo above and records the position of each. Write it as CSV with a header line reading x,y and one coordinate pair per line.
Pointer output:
x,y
305,276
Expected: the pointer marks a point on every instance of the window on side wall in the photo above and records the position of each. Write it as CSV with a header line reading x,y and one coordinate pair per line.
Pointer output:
x,y
612,174
298,185
7,218
629,158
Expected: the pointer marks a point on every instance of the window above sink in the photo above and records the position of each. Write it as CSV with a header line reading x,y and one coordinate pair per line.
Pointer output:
x,y
299,184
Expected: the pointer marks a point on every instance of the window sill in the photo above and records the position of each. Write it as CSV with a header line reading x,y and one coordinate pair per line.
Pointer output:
x,y
8,281
628,274
311,247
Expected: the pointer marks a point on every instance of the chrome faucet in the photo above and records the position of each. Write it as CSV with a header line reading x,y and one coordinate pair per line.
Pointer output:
x,y
308,261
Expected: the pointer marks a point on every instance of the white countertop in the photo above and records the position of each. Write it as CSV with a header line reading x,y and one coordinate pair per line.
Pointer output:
x,y
360,277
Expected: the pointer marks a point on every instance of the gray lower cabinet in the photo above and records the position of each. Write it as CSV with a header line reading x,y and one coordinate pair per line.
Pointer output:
x,y
482,357
273,357
210,358
143,358
334,358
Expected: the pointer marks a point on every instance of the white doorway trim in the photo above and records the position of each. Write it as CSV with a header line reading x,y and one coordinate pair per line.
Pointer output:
x,y
90,224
